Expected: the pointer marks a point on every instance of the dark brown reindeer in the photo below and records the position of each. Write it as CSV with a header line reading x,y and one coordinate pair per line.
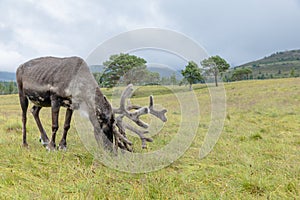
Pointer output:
x,y
67,82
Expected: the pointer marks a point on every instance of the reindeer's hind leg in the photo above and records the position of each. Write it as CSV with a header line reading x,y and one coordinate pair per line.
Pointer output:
x,y
35,112
24,106
68,117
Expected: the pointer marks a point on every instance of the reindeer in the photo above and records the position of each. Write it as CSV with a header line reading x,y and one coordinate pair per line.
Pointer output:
x,y
67,82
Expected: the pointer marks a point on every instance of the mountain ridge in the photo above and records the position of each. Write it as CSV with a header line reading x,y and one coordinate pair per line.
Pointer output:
x,y
282,64
283,56
277,65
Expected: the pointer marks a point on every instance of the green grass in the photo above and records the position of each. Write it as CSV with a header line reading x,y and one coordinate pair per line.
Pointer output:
x,y
256,157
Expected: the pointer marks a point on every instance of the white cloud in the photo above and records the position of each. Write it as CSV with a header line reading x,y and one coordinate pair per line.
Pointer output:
x,y
9,59
40,41
64,28
239,31
60,10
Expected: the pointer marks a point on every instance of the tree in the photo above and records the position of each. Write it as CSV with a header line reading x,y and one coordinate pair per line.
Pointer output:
x,y
136,75
279,72
98,76
2,88
169,80
152,78
8,87
292,73
11,87
122,68
173,79
192,73
241,74
215,65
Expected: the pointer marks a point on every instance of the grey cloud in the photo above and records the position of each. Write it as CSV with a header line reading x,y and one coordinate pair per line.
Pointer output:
x,y
239,31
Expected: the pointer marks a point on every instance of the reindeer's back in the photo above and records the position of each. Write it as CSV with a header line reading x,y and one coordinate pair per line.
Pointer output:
x,y
50,69
49,73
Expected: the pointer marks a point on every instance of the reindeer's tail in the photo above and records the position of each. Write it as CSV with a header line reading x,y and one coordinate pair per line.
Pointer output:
x,y
19,75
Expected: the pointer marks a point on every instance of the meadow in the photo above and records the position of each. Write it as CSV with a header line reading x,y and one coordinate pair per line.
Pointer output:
x,y
256,157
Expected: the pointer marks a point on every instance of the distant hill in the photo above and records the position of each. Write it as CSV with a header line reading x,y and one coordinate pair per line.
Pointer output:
x,y
7,76
163,71
278,65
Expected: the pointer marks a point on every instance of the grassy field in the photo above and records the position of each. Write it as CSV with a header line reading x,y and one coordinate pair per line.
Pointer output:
x,y
256,157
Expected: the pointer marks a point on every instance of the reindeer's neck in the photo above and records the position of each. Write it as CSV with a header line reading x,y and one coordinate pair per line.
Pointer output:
x,y
102,104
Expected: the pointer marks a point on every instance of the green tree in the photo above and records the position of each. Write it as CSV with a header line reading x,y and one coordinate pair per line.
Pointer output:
x,y
292,74
215,65
279,71
11,87
97,76
241,74
136,75
122,68
192,73
2,88
164,80
151,78
173,79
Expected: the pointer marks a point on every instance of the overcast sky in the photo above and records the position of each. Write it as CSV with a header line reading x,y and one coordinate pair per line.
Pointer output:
x,y
237,30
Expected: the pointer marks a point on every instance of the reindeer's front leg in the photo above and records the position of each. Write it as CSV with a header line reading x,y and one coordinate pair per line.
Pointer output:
x,y
68,117
55,106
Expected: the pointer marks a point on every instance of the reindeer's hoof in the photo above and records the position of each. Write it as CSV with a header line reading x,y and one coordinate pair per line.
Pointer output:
x,y
62,147
44,143
51,147
25,145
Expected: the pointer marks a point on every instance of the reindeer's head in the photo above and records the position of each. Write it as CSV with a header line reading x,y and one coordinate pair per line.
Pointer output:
x,y
115,127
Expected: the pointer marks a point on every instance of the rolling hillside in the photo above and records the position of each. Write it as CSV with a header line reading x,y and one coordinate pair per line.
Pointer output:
x,y
278,65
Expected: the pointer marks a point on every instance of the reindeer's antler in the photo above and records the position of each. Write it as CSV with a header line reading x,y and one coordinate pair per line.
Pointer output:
x,y
125,111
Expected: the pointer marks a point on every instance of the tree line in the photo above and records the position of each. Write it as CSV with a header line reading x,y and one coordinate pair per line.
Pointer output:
x,y
8,87
123,69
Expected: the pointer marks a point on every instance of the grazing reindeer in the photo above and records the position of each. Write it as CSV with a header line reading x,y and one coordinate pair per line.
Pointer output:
x,y
67,82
